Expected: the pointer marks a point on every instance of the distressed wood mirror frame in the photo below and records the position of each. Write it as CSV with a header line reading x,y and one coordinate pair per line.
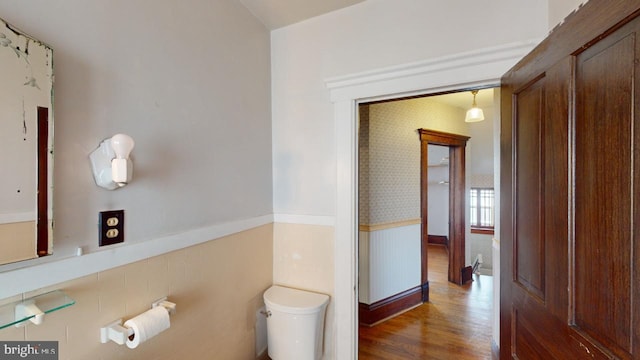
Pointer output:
x,y
26,146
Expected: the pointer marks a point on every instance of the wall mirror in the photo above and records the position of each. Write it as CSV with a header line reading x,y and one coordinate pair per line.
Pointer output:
x,y
26,146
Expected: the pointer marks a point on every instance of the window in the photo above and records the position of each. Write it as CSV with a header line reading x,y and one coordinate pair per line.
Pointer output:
x,y
482,214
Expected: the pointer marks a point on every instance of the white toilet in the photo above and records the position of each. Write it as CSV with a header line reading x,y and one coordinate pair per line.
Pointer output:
x,y
295,323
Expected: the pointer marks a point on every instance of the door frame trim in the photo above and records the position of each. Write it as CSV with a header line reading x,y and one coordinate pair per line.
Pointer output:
x,y
480,68
457,165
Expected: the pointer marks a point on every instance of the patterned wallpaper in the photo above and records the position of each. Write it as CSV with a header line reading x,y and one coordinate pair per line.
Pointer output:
x,y
363,166
390,155
480,180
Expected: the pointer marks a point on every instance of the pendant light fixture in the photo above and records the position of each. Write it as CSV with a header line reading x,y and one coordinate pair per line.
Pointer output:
x,y
474,114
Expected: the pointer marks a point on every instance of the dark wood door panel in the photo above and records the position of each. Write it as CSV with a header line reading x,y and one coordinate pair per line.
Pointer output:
x,y
570,146
604,241
537,334
556,195
526,344
529,231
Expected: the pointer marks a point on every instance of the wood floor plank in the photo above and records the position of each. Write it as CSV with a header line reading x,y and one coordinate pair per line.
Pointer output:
x,y
455,324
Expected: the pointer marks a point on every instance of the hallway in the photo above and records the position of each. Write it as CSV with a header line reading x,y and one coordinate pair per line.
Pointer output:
x,y
455,324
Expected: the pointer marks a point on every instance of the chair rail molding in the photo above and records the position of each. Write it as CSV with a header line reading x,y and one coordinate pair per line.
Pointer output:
x,y
30,278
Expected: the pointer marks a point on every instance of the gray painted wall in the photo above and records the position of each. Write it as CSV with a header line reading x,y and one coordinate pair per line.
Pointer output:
x,y
188,80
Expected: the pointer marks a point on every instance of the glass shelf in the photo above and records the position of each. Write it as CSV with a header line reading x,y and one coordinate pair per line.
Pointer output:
x,y
33,309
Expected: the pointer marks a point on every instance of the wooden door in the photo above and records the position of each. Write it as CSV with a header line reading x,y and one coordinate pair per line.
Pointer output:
x,y
570,144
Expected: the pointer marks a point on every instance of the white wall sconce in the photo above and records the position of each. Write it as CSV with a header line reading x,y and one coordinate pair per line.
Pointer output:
x,y
112,168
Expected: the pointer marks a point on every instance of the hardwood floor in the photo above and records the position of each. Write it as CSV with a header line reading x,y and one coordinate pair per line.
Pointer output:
x,y
455,324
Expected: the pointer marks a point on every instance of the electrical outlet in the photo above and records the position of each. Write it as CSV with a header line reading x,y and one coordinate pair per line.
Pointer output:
x,y
111,225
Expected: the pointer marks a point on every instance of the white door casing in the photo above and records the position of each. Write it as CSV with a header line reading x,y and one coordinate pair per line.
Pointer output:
x,y
478,68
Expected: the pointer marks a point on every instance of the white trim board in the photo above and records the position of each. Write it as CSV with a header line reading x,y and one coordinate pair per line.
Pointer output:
x,y
21,280
305,219
17,217
476,68
430,76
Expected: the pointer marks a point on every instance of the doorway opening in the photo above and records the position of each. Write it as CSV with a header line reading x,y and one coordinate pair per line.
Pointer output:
x,y
394,141
437,229
475,69
456,144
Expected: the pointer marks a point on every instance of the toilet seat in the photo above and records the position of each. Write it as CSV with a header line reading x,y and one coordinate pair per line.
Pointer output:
x,y
294,301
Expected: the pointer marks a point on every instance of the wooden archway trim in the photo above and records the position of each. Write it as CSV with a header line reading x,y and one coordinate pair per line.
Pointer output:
x,y
457,145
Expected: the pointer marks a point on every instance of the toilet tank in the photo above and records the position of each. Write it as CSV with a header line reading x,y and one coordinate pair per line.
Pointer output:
x,y
295,323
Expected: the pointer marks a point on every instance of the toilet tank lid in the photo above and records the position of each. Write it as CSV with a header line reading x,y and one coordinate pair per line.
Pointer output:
x,y
294,301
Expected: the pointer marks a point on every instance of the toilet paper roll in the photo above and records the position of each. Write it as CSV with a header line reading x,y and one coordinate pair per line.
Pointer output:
x,y
147,325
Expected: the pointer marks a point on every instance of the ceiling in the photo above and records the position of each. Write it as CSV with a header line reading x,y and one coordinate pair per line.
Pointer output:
x,y
278,13
275,14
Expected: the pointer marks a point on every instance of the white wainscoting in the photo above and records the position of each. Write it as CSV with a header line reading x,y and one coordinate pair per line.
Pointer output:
x,y
33,277
389,262
363,267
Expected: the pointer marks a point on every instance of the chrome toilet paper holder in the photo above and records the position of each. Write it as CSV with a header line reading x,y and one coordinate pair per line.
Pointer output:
x,y
117,333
